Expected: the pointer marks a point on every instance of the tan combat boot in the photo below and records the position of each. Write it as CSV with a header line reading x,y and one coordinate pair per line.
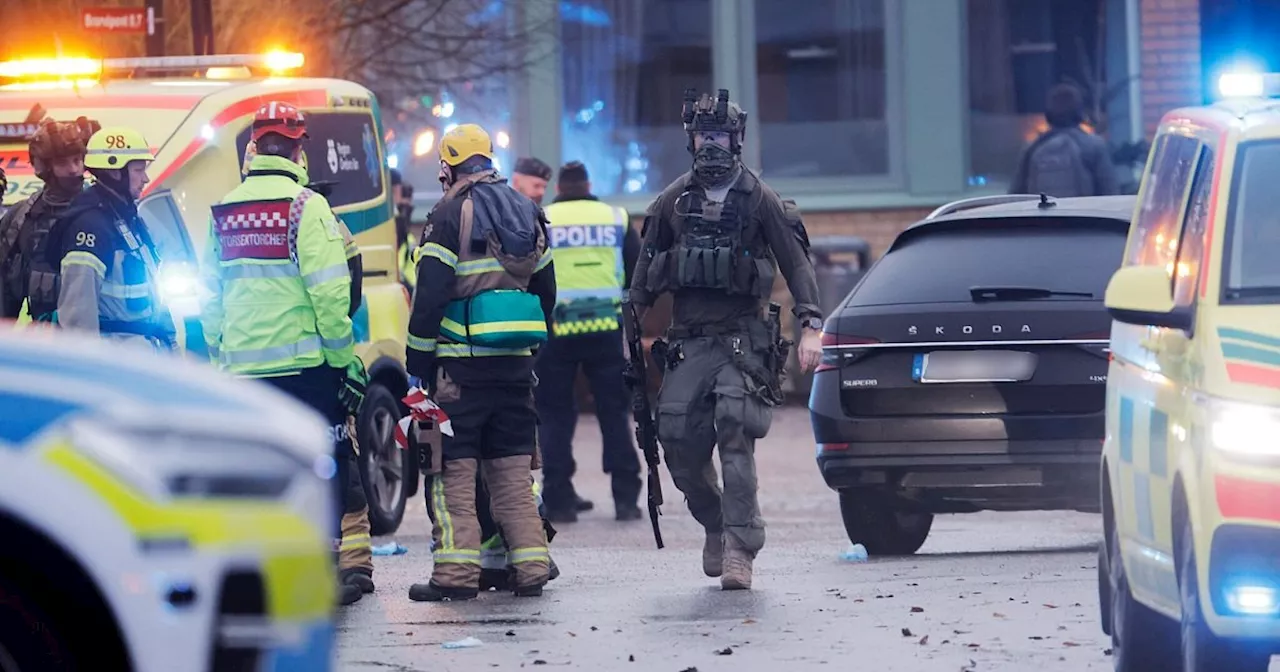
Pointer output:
x,y
737,570
713,554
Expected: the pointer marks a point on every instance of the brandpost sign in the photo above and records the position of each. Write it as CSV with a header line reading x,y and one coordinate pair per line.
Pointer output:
x,y
140,20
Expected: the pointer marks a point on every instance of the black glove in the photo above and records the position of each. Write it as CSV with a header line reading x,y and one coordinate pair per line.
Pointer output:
x,y
355,381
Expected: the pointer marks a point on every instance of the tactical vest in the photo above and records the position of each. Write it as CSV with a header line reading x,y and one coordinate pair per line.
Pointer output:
x,y
491,312
716,246
27,273
586,242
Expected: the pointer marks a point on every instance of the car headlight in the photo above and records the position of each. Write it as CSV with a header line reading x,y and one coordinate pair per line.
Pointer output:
x,y
166,462
179,288
1244,429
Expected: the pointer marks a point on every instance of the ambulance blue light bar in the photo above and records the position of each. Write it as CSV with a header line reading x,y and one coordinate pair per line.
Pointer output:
x,y
1249,84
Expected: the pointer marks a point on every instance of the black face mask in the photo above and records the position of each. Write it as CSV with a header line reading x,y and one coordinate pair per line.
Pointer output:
x,y
64,188
713,164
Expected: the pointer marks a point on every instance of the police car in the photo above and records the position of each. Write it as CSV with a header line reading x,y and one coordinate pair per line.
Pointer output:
x,y
157,516
1189,576
196,112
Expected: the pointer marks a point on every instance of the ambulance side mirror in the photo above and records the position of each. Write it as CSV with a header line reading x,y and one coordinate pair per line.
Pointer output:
x,y
1143,295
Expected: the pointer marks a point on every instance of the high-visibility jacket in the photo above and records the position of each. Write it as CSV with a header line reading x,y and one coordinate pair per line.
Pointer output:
x,y
275,267
586,239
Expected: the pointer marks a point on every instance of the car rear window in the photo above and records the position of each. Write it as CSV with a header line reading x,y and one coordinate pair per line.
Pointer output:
x,y
1070,254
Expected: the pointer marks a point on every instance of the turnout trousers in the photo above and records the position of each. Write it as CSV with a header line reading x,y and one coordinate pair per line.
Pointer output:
x,y
494,429
601,358
318,388
704,404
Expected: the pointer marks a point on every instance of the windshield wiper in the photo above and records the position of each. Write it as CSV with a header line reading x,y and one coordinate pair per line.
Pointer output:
x,y
1019,293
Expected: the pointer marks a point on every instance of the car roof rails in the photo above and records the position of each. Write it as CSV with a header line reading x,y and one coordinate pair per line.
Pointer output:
x,y
981,201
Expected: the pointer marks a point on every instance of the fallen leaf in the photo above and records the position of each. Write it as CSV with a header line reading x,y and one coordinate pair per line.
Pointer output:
x,y
906,632
946,641
1107,652
539,662
511,633
974,646
924,640
726,651
1070,644
1051,606
573,634
749,621
594,628
916,610
1036,637
960,632
631,658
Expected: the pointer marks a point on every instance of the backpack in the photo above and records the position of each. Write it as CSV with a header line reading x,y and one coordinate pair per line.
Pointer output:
x,y
1056,166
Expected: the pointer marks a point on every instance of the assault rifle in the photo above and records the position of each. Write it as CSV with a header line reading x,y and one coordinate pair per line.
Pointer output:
x,y
637,378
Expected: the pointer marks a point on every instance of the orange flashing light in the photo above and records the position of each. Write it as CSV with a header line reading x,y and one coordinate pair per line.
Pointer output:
x,y
50,67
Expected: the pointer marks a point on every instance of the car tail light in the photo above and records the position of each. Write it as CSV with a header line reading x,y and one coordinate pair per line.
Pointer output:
x,y
841,350
1102,350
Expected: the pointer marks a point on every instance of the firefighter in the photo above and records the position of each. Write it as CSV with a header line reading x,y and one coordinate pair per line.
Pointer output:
x,y
279,309
106,260
56,152
485,288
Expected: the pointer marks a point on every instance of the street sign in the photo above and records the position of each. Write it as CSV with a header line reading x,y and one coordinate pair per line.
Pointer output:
x,y
118,20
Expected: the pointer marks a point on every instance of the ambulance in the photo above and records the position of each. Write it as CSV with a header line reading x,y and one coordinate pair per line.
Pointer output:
x,y
156,516
1189,574
196,112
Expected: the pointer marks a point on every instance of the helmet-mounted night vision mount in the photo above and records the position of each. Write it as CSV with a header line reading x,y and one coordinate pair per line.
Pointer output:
x,y
704,114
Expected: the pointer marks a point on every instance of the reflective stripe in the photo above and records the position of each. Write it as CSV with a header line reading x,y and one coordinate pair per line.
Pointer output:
x,y
587,326
478,266
354,542
259,271
421,344
438,251
544,261
442,514
121,152
78,258
306,346
457,557
493,327
531,554
325,275
463,350
338,343
352,250
119,291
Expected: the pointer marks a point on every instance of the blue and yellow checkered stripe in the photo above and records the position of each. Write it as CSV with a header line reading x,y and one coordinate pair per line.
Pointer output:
x,y
1146,469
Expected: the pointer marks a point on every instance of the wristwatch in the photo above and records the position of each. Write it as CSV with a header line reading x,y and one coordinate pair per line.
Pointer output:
x,y
812,323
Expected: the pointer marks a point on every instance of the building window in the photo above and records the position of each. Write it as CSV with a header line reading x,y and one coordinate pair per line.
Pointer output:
x,y
1018,50
821,88
624,70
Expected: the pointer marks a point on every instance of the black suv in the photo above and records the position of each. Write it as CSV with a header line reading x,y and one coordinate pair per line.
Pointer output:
x,y
967,370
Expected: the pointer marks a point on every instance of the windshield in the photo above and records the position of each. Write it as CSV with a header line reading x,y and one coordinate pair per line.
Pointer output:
x,y
1251,271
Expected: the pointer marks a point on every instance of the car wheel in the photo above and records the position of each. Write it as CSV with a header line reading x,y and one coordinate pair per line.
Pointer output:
x,y
872,521
29,639
382,462
1202,651
1104,590
1141,639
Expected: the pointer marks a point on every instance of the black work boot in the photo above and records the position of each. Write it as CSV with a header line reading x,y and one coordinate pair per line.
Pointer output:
x,y
563,515
430,592
348,594
582,504
358,577
627,512
529,591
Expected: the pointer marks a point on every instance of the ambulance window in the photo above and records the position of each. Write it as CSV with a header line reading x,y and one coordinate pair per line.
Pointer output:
x,y
1191,246
343,149
165,225
1159,220
1250,271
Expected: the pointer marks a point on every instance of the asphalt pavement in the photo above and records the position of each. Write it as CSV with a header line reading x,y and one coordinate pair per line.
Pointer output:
x,y
989,591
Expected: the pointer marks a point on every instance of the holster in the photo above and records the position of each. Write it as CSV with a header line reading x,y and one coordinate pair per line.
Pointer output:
x,y
427,437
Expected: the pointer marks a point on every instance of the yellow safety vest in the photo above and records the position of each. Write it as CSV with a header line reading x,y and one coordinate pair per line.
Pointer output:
x,y
586,244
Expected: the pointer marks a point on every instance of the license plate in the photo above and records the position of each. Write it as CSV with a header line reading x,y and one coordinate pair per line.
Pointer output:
x,y
973,366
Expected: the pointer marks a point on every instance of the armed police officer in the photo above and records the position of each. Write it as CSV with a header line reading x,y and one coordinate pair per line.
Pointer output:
x,y
485,289
279,305
56,152
106,259
714,239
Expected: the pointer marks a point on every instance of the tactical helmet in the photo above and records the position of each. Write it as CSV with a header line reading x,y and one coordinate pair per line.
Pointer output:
x,y
115,147
463,142
55,140
702,114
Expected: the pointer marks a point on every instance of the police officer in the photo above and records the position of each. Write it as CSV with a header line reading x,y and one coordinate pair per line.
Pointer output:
x,y
56,152
279,309
106,259
485,288
592,243
531,177
714,239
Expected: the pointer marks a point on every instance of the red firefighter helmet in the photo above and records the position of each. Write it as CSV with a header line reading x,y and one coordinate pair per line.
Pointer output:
x,y
282,118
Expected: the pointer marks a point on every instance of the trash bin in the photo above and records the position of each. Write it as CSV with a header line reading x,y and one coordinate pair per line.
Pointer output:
x,y
838,262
